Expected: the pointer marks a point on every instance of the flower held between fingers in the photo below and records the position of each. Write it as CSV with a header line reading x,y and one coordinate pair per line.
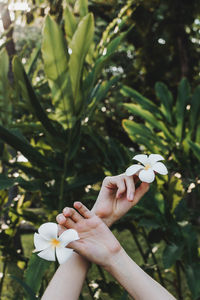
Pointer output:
x,y
52,246
151,164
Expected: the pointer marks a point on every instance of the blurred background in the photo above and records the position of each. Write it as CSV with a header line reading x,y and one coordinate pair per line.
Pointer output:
x,y
85,86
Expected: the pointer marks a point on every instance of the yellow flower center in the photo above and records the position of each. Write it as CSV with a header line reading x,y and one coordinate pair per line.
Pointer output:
x,y
147,167
55,242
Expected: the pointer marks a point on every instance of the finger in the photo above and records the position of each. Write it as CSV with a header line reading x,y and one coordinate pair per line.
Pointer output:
x,y
83,210
72,213
60,219
130,187
78,246
121,186
140,191
69,223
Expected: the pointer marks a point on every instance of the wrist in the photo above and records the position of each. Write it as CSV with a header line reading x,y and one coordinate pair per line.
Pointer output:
x,y
114,260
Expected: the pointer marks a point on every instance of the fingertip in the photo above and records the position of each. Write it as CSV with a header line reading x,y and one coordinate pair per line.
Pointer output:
x,y
77,205
60,219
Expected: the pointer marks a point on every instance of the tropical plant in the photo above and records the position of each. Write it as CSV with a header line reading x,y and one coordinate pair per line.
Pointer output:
x,y
171,127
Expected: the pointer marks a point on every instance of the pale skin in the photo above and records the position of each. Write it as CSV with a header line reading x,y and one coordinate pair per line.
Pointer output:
x,y
116,197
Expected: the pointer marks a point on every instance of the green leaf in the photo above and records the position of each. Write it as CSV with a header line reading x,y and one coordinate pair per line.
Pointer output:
x,y
171,254
38,110
195,110
148,116
70,22
55,56
81,6
181,103
5,108
163,94
142,135
26,149
35,271
143,101
79,46
6,182
195,149
100,92
101,63
29,292
192,275
34,56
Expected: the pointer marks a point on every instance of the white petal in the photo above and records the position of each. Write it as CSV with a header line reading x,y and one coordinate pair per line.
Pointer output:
x,y
153,158
40,243
49,230
160,168
147,175
133,169
143,158
48,254
68,236
63,254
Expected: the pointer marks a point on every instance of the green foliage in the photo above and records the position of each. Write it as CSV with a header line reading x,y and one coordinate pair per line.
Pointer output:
x,y
64,112
168,130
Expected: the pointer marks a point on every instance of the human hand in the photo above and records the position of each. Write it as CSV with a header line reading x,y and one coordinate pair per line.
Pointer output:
x,y
117,196
97,243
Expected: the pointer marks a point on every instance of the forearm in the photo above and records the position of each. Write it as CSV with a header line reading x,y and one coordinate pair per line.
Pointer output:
x,y
137,283
67,282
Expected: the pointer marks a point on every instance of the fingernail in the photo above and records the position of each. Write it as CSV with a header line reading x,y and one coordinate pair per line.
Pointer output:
x,y
131,196
78,204
65,210
60,218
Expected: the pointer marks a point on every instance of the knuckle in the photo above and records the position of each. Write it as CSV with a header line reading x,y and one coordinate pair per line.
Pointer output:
x,y
106,179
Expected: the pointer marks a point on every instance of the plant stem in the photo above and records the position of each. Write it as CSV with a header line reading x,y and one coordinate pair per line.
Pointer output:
x,y
101,273
62,183
131,227
3,277
178,273
154,258
89,288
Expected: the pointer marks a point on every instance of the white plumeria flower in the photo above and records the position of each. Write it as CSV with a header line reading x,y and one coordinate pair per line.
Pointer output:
x,y
52,246
150,165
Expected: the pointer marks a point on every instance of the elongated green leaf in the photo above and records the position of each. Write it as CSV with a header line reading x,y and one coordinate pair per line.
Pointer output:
x,y
192,274
79,46
195,149
100,92
55,56
171,254
81,7
195,110
163,94
26,149
35,272
181,103
70,22
6,182
29,292
148,116
102,61
143,101
39,111
5,108
142,135
34,56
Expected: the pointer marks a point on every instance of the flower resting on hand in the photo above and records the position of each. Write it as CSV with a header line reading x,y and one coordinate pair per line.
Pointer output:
x,y
52,246
150,165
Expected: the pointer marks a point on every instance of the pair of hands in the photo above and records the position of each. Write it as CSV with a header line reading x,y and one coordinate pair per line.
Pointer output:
x,y
116,197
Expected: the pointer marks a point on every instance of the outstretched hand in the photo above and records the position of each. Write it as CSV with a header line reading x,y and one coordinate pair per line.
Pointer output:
x,y
117,196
